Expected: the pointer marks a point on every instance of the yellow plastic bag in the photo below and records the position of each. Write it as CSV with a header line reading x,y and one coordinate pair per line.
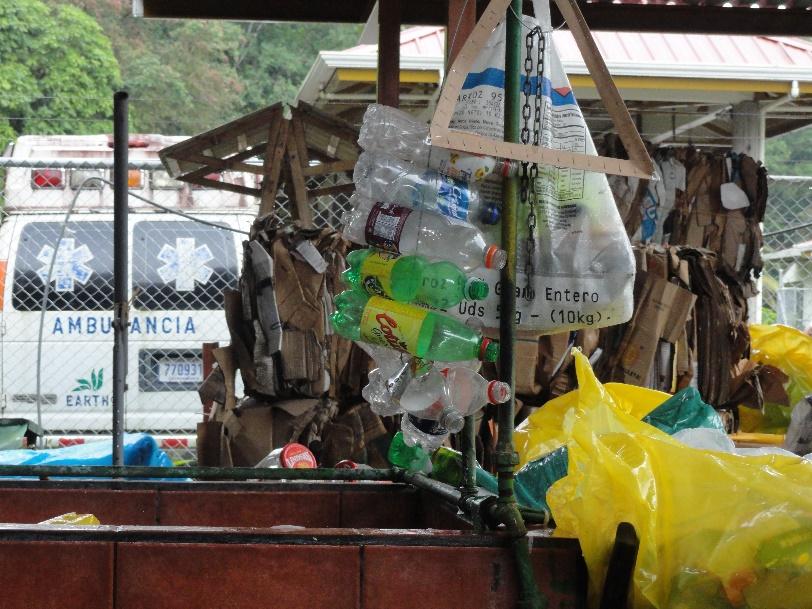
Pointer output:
x,y
550,426
790,351
717,531
74,519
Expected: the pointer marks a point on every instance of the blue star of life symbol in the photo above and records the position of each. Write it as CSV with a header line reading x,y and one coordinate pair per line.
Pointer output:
x,y
185,264
69,266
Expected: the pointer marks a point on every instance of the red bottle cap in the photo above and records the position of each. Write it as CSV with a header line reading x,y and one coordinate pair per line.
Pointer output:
x,y
346,464
297,456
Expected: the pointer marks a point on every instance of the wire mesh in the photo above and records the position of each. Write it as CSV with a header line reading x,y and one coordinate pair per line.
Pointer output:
x,y
179,268
787,253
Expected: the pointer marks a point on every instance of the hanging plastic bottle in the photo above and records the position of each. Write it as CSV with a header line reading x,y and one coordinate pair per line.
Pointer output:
x,y
411,279
403,230
387,179
408,456
468,391
389,130
425,433
408,328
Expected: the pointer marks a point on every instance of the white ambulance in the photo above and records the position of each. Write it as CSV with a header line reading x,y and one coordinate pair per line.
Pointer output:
x,y
178,270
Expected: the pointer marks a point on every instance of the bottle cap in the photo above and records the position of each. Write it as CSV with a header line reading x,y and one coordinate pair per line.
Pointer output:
x,y
476,289
488,350
498,392
495,258
346,464
491,214
297,456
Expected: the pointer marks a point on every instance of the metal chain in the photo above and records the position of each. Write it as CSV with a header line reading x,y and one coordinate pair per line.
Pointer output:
x,y
524,136
530,175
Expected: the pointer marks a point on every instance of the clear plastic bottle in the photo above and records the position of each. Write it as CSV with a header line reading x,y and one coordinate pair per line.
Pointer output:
x,y
387,179
411,279
408,328
468,392
389,130
425,433
406,231
388,381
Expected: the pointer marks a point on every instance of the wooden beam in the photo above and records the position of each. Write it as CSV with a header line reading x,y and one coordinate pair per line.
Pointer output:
x,y
332,190
687,18
389,52
327,168
297,181
274,155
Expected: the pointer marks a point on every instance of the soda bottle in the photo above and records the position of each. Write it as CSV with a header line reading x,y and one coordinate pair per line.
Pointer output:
x,y
387,179
406,231
389,130
411,279
468,392
426,334
408,456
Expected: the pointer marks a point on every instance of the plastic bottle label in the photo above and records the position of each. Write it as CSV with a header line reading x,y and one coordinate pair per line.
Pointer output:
x,y
453,198
392,324
376,273
465,167
385,225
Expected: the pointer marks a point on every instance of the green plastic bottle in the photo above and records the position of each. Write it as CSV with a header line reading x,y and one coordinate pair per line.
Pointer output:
x,y
412,458
411,279
408,328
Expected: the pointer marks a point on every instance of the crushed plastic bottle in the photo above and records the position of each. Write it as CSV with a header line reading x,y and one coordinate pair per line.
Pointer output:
x,y
428,434
403,230
387,179
388,380
389,130
411,279
406,456
408,328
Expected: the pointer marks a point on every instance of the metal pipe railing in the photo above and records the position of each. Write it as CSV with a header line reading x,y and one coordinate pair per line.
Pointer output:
x,y
196,473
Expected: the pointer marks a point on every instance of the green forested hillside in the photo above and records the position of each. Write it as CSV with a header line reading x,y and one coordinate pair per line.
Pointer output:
x,y
62,59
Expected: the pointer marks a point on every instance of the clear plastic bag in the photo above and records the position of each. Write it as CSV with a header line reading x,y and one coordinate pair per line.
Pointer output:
x,y
580,274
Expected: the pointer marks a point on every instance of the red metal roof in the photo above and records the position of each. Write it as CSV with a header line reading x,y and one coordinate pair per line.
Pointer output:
x,y
708,49
420,41
641,48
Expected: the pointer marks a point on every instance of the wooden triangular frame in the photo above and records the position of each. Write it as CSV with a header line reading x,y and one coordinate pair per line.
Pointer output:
x,y
639,164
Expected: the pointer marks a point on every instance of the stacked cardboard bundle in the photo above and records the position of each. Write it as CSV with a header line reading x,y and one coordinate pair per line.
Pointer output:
x,y
291,365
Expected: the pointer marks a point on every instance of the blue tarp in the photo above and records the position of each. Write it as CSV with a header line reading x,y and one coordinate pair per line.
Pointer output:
x,y
139,449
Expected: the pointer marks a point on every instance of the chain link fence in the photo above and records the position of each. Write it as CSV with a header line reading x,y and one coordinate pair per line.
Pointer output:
x,y
787,253
56,293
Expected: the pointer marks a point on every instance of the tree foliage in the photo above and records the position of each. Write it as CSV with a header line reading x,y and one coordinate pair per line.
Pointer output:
x,y
276,57
57,70
188,76
790,154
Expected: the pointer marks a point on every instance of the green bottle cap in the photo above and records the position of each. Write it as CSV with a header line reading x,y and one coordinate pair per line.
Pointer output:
x,y
488,350
476,289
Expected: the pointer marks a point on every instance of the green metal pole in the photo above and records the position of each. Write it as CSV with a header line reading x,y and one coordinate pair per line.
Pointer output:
x,y
468,445
506,457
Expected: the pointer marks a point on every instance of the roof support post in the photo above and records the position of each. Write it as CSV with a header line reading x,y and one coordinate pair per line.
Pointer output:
x,y
748,129
461,22
389,52
749,122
